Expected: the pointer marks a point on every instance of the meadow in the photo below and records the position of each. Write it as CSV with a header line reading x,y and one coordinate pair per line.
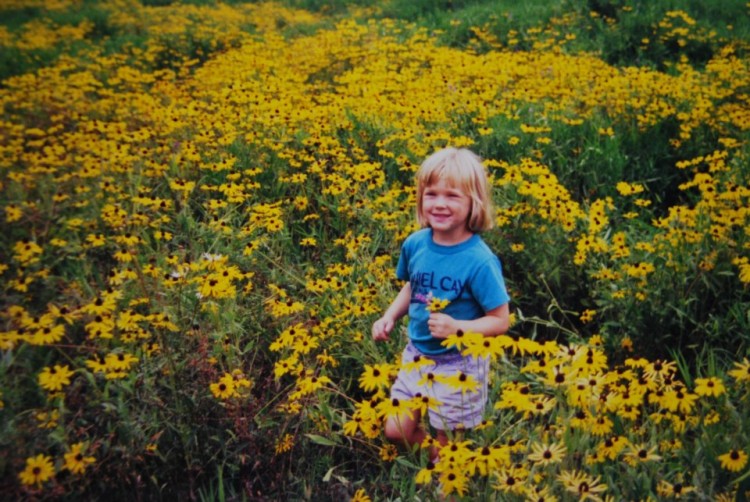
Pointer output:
x,y
203,205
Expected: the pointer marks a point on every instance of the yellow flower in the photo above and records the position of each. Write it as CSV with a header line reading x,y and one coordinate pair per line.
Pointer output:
x,y
47,420
628,189
734,460
453,480
462,382
55,378
640,453
75,461
224,388
462,340
284,444
673,491
388,453
27,252
510,481
12,213
47,335
121,361
679,399
582,484
375,376
488,459
587,315
711,386
741,371
543,454
437,304
38,470
424,475
360,496
393,407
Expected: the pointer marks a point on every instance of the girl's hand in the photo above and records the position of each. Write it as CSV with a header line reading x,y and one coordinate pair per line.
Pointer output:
x,y
441,325
382,328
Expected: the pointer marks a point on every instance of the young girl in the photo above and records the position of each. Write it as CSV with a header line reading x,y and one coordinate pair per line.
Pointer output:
x,y
445,261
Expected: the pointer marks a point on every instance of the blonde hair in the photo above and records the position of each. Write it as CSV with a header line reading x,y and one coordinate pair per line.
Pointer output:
x,y
461,169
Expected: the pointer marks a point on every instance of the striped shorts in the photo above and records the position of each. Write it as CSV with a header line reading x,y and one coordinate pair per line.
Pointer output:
x,y
456,405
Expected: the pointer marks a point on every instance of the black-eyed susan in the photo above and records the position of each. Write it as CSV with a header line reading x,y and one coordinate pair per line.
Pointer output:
x,y
637,453
679,399
585,486
509,480
393,407
119,361
224,388
76,460
711,386
290,365
453,480
388,453
545,454
351,427
541,494
38,469
419,363
47,419
741,371
462,381
734,460
659,370
611,447
47,335
485,346
540,404
461,340
423,404
309,384
360,496
515,395
101,326
284,444
428,379
488,459
425,474
54,378
675,490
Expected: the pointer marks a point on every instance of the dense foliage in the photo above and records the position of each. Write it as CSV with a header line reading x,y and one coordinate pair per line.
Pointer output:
x,y
203,204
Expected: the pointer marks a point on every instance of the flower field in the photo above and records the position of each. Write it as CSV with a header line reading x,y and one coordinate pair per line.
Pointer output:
x,y
203,205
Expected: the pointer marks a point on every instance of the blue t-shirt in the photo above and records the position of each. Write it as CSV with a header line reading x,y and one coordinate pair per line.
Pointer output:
x,y
468,274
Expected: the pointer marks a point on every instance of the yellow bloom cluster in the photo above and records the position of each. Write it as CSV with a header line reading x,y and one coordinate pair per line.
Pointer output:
x,y
562,391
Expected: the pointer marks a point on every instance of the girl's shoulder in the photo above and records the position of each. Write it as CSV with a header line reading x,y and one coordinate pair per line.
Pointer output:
x,y
483,252
418,237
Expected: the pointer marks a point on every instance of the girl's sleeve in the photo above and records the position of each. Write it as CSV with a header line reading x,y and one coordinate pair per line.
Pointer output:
x,y
488,286
402,269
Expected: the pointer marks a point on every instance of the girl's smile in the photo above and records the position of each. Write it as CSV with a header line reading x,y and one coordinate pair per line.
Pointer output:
x,y
446,209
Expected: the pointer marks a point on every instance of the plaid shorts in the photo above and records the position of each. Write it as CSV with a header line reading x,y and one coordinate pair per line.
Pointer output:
x,y
455,407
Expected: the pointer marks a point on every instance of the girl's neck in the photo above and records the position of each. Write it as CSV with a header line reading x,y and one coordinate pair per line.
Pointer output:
x,y
451,239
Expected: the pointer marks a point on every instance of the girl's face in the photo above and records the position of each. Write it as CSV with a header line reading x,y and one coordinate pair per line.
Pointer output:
x,y
446,210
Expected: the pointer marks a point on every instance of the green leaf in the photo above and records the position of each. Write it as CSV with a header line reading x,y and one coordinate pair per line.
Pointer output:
x,y
324,441
406,462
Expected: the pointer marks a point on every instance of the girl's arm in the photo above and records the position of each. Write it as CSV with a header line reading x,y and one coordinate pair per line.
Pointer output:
x,y
398,309
493,323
